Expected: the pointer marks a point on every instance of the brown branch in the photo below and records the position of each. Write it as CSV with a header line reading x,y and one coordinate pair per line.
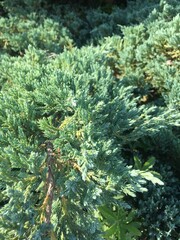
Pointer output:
x,y
49,182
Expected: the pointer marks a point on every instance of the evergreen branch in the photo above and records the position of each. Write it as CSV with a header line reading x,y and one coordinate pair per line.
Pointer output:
x,y
50,185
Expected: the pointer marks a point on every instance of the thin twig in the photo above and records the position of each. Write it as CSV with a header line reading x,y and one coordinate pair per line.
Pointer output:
x,y
49,182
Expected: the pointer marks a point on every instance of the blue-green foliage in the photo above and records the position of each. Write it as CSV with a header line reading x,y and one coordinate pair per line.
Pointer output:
x,y
93,104
159,207
18,32
89,116
147,57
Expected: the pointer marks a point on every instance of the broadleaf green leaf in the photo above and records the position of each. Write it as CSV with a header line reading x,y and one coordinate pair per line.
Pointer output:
x,y
137,163
149,164
108,214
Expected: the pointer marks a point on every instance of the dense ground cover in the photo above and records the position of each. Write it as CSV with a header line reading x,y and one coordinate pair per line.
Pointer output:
x,y
89,116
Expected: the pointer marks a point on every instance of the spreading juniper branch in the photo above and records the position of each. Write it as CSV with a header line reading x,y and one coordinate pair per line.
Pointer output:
x,y
50,185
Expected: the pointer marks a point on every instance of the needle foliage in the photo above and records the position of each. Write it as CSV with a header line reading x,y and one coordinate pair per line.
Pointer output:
x,y
89,105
